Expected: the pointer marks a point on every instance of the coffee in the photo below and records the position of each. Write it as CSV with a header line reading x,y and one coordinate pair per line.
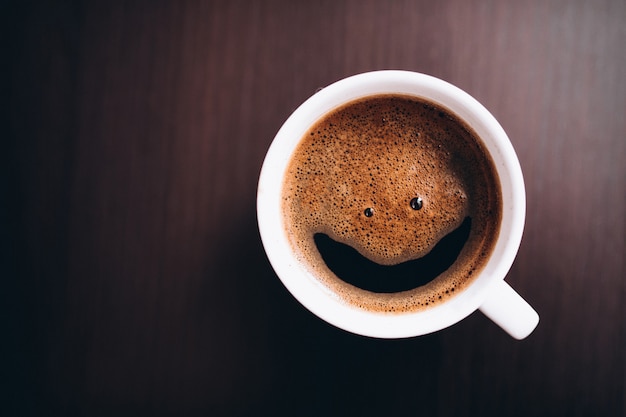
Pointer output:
x,y
392,202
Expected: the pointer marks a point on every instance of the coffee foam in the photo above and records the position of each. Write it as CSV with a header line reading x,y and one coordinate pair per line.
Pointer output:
x,y
376,155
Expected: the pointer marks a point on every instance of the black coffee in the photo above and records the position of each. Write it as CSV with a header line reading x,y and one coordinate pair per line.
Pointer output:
x,y
392,202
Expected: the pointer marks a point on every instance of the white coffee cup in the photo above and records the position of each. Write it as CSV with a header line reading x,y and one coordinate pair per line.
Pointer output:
x,y
488,292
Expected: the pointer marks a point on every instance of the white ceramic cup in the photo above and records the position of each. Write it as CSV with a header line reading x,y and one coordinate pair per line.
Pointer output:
x,y
487,293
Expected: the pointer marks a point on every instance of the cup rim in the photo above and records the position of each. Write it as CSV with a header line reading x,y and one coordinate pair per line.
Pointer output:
x,y
298,279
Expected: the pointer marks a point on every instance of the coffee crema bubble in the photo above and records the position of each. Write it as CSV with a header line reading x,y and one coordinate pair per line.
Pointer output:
x,y
416,203
396,181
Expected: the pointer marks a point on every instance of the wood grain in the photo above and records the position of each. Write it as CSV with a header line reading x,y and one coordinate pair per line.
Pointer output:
x,y
137,283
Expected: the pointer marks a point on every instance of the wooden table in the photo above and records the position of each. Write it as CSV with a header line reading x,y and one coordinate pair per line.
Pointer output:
x,y
135,282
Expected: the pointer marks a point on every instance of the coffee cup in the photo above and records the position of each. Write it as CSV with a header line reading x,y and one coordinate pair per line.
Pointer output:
x,y
388,165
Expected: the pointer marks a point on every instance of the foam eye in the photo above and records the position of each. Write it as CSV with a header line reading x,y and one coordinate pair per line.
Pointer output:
x,y
416,203
369,212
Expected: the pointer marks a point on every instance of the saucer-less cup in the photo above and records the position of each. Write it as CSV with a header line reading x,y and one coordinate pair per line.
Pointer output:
x,y
488,293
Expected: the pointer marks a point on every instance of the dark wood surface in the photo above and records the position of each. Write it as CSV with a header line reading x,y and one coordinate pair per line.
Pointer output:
x,y
134,279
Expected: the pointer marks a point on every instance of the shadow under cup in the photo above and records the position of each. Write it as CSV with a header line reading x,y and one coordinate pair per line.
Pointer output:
x,y
301,281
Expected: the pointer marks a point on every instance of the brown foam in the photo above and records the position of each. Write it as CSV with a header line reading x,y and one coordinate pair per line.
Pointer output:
x,y
378,153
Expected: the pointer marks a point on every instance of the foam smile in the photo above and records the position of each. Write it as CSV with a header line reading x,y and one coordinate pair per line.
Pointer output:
x,y
352,267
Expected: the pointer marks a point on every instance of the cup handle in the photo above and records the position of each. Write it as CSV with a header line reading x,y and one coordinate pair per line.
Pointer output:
x,y
510,311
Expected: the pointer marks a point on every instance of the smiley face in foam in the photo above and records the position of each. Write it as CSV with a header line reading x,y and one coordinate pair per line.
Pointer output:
x,y
361,194
390,177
